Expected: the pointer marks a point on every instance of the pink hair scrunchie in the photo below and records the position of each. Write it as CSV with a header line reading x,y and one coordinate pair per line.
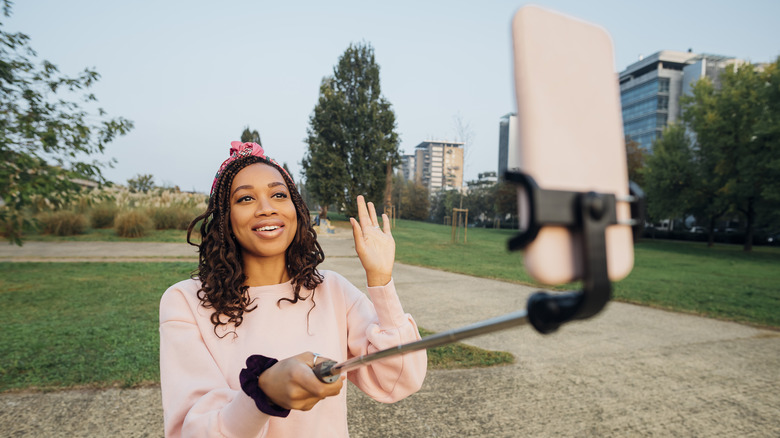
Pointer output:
x,y
241,150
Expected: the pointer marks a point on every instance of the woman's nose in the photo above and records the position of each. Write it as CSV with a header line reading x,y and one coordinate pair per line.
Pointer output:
x,y
264,207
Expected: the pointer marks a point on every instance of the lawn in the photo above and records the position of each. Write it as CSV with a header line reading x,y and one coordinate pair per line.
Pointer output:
x,y
720,282
82,324
96,325
109,235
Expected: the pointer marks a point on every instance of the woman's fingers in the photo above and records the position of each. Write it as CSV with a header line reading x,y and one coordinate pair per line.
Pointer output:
x,y
363,215
372,215
292,384
386,224
367,214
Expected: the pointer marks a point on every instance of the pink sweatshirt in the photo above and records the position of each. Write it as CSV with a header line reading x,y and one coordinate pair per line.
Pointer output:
x,y
201,393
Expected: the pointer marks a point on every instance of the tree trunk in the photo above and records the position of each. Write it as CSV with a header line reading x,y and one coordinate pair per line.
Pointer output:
x,y
389,185
751,215
711,232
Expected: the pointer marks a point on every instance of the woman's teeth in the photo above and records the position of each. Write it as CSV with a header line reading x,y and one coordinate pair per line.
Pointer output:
x,y
271,228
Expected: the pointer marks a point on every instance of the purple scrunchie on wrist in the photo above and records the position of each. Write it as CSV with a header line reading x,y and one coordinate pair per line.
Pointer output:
x,y
255,365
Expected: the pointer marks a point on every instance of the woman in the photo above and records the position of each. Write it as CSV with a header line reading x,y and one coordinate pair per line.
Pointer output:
x,y
237,342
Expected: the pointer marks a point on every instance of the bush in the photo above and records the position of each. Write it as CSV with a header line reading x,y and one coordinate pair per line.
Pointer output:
x,y
103,215
171,218
132,223
63,223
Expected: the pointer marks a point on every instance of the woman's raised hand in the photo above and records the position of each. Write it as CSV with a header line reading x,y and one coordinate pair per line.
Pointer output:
x,y
374,245
291,383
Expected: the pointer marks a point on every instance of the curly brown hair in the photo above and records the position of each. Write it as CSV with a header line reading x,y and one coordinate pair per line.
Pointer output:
x,y
220,265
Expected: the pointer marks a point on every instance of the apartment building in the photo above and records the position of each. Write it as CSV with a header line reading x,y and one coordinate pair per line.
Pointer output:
x,y
439,165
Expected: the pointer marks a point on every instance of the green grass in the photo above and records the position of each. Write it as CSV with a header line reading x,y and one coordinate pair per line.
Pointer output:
x,y
96,325
82,324
109,235
459,356
720,282
483,255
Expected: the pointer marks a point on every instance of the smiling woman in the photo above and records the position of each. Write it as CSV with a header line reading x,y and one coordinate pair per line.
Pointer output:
x,y
237,342
264,222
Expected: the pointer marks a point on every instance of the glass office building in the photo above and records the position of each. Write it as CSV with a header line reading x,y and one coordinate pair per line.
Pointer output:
x,y
650,90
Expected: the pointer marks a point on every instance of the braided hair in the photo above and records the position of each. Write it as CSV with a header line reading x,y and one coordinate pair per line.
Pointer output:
x,y
220,263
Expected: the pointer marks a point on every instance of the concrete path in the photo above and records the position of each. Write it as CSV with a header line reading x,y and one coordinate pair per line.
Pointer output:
x,y
631,371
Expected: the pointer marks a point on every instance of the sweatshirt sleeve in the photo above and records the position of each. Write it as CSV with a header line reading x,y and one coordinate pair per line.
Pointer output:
x,y
197,400
378,324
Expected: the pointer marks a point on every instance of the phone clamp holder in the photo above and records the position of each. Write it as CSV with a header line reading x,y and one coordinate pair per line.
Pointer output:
x,y
587,215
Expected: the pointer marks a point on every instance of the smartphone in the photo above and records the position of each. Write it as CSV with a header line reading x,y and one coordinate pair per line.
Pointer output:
x,y
570,134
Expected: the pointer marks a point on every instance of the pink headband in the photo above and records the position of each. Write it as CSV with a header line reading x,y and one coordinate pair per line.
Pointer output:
x,y
241,150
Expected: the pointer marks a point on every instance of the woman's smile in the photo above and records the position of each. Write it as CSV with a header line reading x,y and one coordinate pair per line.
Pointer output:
x,y
267,230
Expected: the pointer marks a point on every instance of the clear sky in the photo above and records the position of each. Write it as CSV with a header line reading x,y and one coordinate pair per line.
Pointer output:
x,y
193,74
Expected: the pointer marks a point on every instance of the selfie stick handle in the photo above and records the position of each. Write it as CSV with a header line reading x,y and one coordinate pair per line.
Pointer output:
x,y
329,371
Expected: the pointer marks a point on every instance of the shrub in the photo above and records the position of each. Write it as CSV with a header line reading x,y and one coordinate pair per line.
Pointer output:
x,y
63,223
132,223
172,218
103,215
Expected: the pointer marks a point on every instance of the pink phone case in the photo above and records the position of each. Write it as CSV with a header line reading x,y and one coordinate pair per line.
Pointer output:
x,y
570,133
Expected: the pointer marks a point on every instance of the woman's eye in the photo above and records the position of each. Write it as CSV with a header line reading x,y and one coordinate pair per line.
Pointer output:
x,y
280,195
244,199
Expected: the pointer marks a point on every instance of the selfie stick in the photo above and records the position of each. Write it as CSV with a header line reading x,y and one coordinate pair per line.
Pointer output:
x,y
329,371
588,215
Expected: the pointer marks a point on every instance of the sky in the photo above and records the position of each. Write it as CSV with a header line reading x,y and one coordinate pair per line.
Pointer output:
x,y
192,75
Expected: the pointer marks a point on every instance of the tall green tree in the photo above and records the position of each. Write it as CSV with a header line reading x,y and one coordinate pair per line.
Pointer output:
x,y
679,180
47,137
351,136
768,131
250,136
736,130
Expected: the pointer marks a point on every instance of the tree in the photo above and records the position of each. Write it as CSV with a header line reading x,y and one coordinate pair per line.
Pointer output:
x,y
287,168
636,157
442,204
141,183
249,136
679,181
464,134
481,202
351,134
506,201
47,138
410,198
737,134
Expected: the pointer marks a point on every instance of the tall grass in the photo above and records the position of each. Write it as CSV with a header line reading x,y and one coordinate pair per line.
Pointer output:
x,y
133,223
168,209
103,215
172,218
63,223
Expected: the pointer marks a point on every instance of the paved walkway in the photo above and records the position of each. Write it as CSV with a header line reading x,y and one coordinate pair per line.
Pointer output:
x,y
631,371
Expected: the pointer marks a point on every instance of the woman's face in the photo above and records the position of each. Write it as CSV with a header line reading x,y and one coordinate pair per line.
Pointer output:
x,y
262,213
